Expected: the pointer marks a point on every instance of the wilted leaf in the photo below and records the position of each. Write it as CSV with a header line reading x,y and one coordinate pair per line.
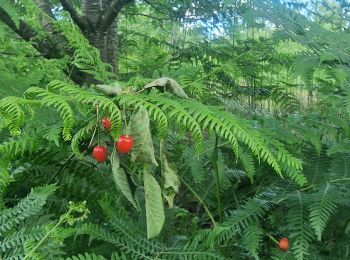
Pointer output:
x,y
113,89
171,181
168,84
143,150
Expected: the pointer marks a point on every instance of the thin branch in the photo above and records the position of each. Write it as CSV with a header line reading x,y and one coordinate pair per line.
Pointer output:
x,y
148,16
61,167
24,30
155,7
111,13
77,18
5,53
27,33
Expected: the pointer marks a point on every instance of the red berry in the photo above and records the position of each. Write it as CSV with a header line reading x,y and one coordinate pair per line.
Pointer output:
x,y
100,153
284,244
107,123
125,143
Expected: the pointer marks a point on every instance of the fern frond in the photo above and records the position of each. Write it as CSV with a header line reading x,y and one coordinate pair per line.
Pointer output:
x,y
81,135
87,256
5,180
175,111
18,238
13,114
231,128
248,164
324,203
195,88
59,102
93,99
118,256
136,102
195,164
301,232
10,9
14,147
290,165
240,219
98,233
29,246
86,57
286,100
252,239
29,206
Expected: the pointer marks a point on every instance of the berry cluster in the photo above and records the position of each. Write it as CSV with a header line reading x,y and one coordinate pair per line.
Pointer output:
x,y
124,144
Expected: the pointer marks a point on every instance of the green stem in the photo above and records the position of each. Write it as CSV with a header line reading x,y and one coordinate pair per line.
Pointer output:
x,y
98,121
315,185
125,122
272,238
331,181
200,200
217,175
339,180
62,219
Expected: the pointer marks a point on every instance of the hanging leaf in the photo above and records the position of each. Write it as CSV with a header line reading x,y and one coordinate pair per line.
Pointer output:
x,y
168,84
121,180
154,204
113,89
171,181
143,151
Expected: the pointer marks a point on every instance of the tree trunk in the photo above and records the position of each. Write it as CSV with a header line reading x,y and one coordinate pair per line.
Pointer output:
x,y
98,23
103,38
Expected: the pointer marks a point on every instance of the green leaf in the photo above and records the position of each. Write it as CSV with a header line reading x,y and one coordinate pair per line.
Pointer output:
x,y
121,179
154,204
143,151
171,181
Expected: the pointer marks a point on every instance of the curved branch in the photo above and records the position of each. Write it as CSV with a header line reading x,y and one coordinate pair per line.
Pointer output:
x,y
78,19
28,34
111,13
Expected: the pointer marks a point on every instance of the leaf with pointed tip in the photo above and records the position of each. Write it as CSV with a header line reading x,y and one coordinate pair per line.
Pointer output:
x,y
154,204
121,180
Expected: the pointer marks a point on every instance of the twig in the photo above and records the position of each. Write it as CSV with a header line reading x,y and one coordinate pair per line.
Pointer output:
x,y
62,167
200,200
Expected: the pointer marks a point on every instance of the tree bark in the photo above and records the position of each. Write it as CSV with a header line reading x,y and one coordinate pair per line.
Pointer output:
x,y
98,23
103,16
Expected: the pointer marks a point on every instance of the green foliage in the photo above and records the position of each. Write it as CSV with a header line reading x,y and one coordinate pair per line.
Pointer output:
x,y
29,206
86,57
10,9
61,105
320,211
302,233
14,233
215,107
